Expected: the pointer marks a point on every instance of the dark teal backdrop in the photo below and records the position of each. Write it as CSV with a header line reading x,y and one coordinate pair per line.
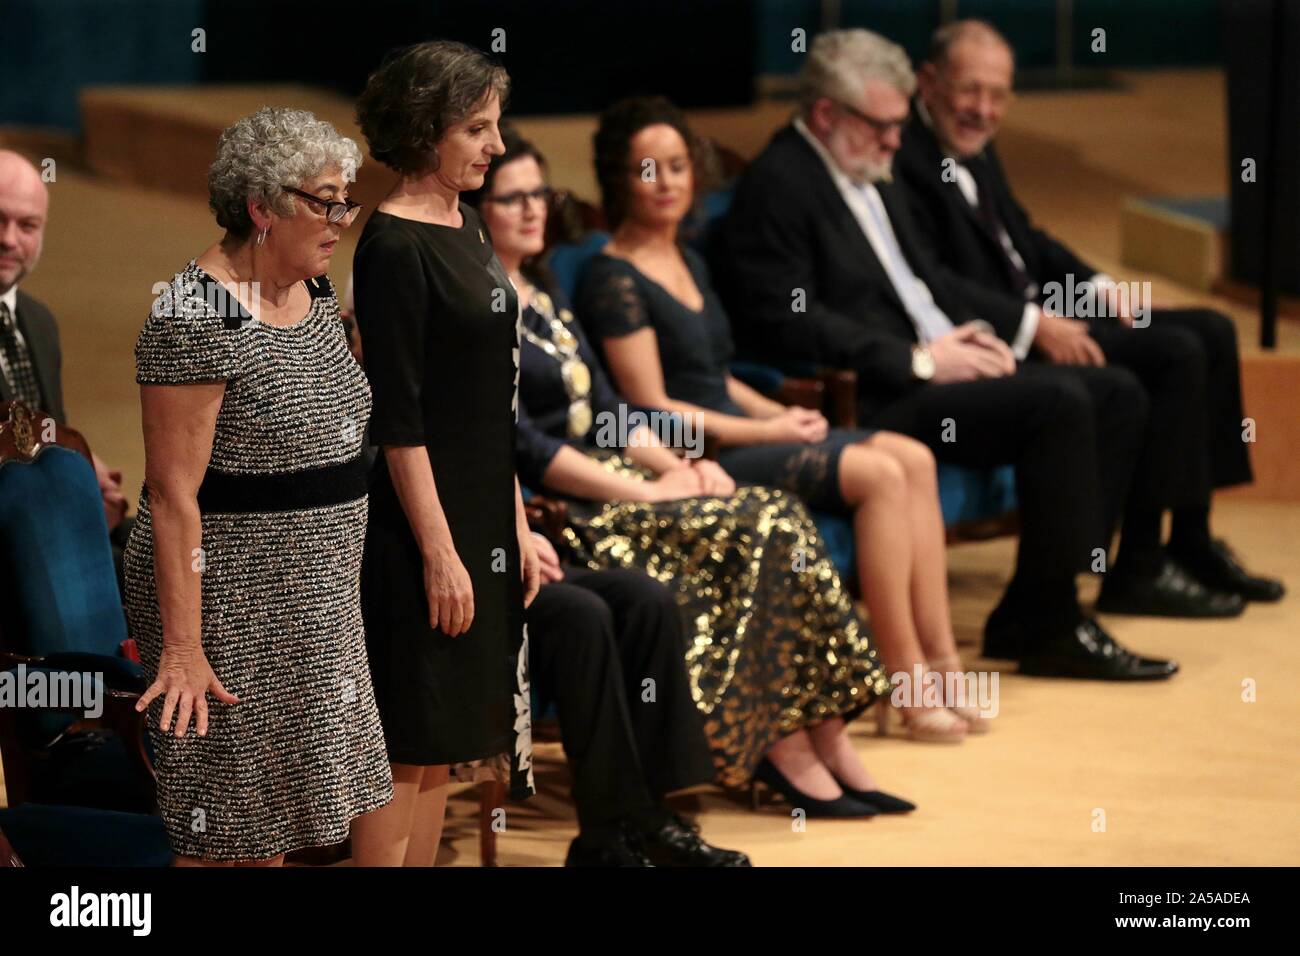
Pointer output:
x,y
566,55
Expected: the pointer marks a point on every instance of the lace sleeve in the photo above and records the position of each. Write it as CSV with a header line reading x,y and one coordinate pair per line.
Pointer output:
x,y
609,303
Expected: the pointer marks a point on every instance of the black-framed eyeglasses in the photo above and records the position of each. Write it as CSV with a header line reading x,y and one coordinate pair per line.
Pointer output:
x,y
335,211
881,127
515,201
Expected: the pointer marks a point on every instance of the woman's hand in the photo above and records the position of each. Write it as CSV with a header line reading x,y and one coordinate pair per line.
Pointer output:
x,y
184,679
529,565
674,484
548,561
449,591
714,480
796,424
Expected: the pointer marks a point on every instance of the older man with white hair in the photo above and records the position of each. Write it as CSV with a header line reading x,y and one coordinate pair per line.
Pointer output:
x,y
821,264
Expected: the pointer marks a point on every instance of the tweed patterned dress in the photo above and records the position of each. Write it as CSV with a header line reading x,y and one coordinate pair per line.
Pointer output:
x,y
284,509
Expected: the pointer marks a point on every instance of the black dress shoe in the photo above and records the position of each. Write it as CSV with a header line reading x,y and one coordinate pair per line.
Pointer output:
x,y
1003,634
619,846
1218,568
884,802
1170,592
677,842
1089,653
842,806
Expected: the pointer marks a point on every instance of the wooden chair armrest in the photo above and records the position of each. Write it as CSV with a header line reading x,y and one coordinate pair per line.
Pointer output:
x,y
841,396
119,716
26,432
130,725
548,517
8,858
9,659
807,392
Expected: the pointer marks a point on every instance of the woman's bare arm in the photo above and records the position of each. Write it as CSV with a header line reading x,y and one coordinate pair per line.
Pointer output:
x,y
635,366
179,423
573,473
446,582
755,404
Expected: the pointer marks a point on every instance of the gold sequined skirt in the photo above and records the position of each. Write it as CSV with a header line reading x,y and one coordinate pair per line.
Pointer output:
x,y
773,640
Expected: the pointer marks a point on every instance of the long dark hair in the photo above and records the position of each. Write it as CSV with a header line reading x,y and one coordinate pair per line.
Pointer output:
x,y
561,221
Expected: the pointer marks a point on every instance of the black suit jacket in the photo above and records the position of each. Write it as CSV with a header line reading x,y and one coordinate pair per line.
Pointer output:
x,y
970,254
41,333
790,234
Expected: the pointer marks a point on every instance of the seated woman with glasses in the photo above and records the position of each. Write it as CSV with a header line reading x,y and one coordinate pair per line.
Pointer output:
x,y
667,342
776,655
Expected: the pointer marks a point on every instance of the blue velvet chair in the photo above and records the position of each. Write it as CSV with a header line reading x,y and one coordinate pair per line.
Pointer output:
x,y
77,778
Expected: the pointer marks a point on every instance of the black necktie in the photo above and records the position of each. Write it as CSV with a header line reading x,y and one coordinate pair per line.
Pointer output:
x,y
988,214
18,362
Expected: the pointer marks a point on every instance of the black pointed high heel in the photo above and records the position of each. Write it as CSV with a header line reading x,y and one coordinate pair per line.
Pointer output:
x,y
883,802
843,806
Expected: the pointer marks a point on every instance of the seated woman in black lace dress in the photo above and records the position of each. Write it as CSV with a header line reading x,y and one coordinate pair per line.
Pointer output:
x,y
667,343
776,656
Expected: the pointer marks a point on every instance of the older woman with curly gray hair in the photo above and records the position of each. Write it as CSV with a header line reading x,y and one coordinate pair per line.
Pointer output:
x,y
243,568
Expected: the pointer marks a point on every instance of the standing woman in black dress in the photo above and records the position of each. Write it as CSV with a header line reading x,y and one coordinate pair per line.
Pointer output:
x,y
449,563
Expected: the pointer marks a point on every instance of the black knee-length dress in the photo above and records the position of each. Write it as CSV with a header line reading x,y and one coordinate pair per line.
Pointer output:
x,y
616,299
439,323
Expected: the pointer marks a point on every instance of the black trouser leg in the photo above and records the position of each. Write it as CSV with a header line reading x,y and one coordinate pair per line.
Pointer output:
x,y
1174,467
574,662
1050,426
1033,420
1229,455
1121,412
668,728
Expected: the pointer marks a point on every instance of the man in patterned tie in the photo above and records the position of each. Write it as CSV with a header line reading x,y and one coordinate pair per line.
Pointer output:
x,y
1008,266
30,357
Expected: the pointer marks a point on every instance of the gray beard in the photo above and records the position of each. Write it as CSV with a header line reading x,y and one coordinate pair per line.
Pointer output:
x,y
880,173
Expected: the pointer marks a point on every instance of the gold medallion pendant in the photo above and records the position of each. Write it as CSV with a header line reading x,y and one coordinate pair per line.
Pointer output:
x,y
577,378
579,418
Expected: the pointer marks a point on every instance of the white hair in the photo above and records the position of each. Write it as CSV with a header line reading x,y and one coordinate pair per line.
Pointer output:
x,y
841,61
265,151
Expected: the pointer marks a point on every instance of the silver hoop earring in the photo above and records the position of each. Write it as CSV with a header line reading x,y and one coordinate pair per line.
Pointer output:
x,y
261,236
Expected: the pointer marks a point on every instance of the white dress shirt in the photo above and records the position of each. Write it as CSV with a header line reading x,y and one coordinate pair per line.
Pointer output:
x,y
869,210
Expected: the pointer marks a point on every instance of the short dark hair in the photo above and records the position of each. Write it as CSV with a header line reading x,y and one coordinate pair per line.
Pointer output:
x,y
613,141
418,93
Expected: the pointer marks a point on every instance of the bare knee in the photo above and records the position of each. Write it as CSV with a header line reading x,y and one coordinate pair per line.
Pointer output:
x,y
868,472
917,460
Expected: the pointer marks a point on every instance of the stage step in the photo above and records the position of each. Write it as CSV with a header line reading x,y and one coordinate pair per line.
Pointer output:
x,y
165,137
